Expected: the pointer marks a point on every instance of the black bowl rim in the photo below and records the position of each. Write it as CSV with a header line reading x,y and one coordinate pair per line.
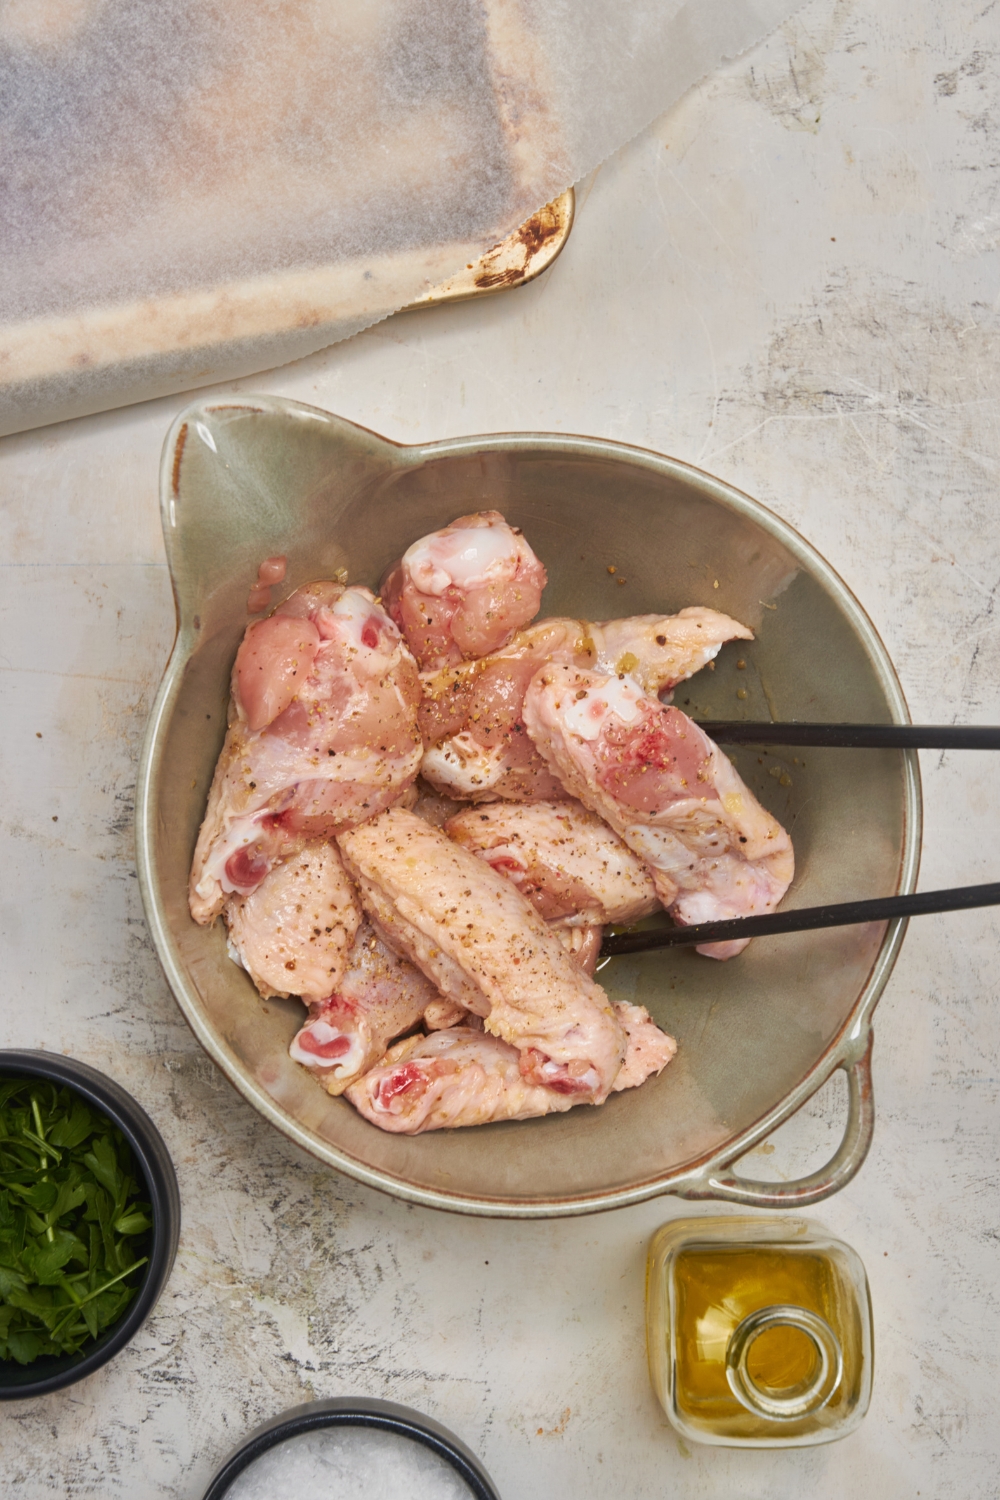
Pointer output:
x,y
161,1182
355,1411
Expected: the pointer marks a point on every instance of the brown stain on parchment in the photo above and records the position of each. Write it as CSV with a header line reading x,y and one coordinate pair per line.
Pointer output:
x,y
527,241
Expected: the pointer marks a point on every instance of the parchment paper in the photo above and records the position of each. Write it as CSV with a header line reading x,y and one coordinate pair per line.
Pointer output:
x,y
195,189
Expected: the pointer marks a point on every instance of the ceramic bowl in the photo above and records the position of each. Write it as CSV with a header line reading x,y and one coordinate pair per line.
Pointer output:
x,y
55,1372
248,478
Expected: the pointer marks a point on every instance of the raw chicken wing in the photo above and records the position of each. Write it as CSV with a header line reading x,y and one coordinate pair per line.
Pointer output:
x,y
571,866
647,1048
470,717
670,793
322,734
379,997
456,1077
463,591
475,936
293,932
660,651
467,1077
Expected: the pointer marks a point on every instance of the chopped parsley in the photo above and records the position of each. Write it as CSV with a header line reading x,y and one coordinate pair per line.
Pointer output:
x,y
72,1221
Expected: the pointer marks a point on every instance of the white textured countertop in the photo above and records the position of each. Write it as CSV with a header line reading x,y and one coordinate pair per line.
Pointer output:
x,y
792,281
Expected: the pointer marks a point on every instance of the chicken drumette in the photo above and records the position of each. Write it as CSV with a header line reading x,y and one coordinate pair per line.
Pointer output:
x,y
294,931
463,591
322,734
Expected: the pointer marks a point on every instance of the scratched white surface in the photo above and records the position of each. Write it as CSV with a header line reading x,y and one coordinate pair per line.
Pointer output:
x,y
791,280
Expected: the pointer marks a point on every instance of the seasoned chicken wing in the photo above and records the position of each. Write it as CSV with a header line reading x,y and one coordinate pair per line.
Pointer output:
x,y
476,748
479,941
322,734
670,793
379,996
467,1077
659,651
294,931
647,1048
463,591
572,867
456,1077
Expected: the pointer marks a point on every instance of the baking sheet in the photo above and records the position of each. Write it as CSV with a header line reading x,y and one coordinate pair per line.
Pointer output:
x,y
192,194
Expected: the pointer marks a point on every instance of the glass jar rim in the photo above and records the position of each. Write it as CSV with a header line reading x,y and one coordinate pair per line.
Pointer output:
x,y
802,1399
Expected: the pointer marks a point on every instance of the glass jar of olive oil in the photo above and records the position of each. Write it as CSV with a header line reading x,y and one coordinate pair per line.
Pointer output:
x,y
759,1331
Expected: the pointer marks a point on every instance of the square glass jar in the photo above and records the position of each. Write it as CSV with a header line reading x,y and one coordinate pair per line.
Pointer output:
x,y
759,1331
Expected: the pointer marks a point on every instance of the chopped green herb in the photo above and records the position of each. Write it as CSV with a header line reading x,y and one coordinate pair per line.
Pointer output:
x,y
72,1221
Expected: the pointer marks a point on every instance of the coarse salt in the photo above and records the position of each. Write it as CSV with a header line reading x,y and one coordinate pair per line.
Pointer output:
x,y
348,1463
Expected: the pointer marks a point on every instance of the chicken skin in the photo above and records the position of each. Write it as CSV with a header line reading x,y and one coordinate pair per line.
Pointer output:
x,y
574,870
674,798
476,748
294,931
468,1077
450,1078
322,734
647,1048
659,651
378,997
569,864
463,591
485,948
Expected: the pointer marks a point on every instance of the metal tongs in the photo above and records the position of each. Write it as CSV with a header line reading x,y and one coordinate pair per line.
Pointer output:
x,y
843,913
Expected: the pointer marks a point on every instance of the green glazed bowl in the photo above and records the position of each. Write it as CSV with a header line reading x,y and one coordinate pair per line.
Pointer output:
x,y
252,477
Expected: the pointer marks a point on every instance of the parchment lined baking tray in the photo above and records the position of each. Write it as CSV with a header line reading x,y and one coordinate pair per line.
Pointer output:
x,y
186,200
255,243
117,356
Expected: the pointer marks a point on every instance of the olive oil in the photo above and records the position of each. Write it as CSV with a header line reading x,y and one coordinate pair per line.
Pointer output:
x,y
759,1331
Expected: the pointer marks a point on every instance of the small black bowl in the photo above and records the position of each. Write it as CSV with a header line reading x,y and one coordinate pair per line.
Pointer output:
x,y
356,1411
54,1372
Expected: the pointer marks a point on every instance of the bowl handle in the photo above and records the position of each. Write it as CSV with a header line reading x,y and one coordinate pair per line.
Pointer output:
x,y
721,1182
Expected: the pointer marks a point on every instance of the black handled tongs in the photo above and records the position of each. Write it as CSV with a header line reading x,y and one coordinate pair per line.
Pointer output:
x,y
843,913
804,919
856,736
